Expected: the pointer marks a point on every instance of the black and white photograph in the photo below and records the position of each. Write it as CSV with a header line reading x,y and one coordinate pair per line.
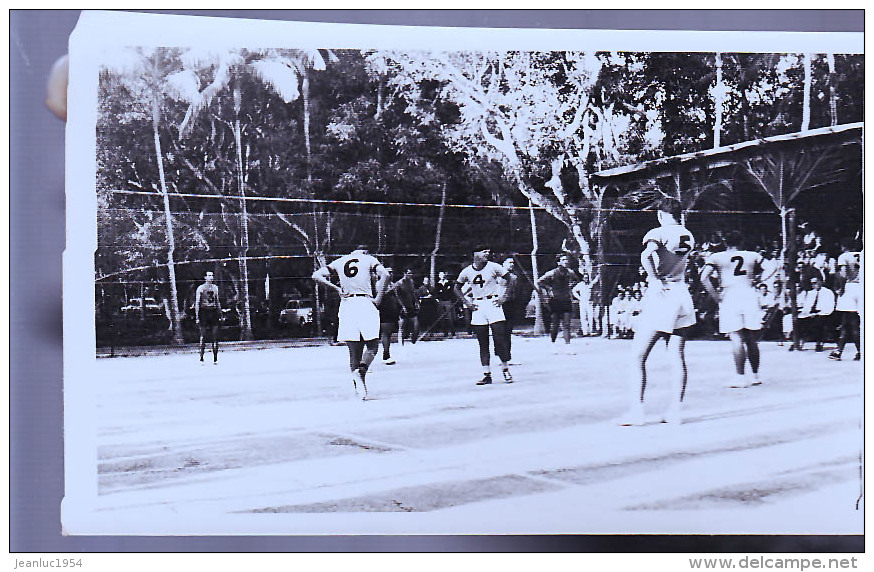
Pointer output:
x,y
345,279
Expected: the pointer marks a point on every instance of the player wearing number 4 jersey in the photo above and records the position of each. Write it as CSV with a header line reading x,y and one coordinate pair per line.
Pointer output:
x,y
484,298
666,309
740,314
358,316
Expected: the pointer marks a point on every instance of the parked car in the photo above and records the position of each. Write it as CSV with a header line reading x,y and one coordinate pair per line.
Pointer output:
x,y
150,305
297,313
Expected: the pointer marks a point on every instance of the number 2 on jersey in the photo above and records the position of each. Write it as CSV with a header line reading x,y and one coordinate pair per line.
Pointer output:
x,y
738,268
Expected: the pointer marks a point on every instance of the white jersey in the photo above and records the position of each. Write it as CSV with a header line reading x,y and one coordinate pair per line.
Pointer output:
x,y
736,268
674,243
582,292
484,283
356,271
852,262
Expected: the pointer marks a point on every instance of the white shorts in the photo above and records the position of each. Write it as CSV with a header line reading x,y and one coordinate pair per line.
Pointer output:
x,y
740,309
486,311
359,320
666,309
851,299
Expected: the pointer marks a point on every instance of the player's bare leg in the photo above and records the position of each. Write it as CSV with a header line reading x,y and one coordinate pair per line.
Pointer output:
x,y
751,341
367,355
482,338
738,351
641,348
356,351
679,378
566,325
502,349
214,345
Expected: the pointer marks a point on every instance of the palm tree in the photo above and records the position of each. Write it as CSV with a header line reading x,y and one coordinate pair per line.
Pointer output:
x,y
783,175
153,75
282,71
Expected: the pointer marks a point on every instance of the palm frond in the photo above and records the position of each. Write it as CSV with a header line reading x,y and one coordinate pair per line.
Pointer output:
x,y
279,77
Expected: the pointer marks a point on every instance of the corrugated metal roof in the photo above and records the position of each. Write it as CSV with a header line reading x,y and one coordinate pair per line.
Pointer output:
x,y
715,153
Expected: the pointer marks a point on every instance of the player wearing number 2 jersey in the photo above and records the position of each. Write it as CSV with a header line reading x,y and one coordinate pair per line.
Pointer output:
x,y
740,314
478,287
665,309
358,316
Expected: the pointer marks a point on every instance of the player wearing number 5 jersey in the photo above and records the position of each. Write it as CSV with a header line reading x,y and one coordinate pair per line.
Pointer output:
x,y
479,288
665,309
358,316
740,314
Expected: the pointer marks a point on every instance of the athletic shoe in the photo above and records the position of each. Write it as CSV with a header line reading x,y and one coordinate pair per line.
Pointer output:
x,y
508,377
389,361
486,380
858,356
740,382
673,415
835,355
634,416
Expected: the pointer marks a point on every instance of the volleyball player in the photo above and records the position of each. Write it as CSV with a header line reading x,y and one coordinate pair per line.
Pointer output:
x,y
478,287
740,311
666,309
849,301
207,310
358,314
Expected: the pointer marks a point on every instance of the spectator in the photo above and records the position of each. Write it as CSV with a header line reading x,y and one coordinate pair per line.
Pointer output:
x,y
445,295
814,312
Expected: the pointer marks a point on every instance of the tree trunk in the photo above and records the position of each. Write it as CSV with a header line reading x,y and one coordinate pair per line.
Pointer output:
x,y
246,318
437,238
168,221
718,98
539,326
305,91
808,82
832,88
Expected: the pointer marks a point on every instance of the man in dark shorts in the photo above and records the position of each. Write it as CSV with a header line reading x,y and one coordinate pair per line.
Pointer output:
x,y
389,314
409,299
557,285
207,309
515,300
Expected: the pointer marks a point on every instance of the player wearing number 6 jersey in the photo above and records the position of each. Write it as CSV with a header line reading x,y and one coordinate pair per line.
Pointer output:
x,y
740,314
358,316
665,309
478,287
